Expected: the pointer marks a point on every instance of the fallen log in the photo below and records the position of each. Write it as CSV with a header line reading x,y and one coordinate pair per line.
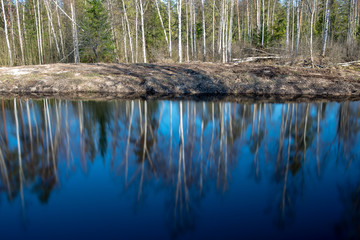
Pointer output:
x,y
251,59
349,63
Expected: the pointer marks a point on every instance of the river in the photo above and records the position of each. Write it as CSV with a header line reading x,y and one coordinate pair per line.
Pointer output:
x,y
151,169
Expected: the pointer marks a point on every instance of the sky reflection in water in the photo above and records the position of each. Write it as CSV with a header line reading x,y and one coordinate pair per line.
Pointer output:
x,y
162,169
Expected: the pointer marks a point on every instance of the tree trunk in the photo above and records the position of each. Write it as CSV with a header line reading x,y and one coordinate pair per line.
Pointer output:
x,y
128,31
113,36
20,34
248,21
193,15
311,33
230,30
258,23
37,33
11,26
75,37
40,32
187,31
162,23
204,29
169,12
213,29
238,20
293,26
326,28
125,44
287,25
263,23
60,32
179,28
50,20
24,27
6,34
298,26
143,30
350,37
191,28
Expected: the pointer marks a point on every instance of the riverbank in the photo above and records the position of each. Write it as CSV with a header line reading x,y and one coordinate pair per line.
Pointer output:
x,y
176,80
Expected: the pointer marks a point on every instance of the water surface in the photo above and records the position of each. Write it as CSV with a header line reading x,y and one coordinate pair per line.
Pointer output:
x,y
179,169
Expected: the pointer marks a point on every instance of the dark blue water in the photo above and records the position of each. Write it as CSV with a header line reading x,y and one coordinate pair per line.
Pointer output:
x,y
181,170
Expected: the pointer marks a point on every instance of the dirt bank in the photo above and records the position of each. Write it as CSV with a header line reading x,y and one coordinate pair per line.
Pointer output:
x,y
209,79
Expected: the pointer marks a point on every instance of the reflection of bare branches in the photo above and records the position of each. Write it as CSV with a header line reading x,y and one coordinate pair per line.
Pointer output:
x,y
4,123
21,171
82,134
318,141
4,172
29,125
171,137
287,166
67,133
144,151
128,142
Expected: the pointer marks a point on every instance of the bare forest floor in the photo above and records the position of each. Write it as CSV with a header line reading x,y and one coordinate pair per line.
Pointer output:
x,y
170,80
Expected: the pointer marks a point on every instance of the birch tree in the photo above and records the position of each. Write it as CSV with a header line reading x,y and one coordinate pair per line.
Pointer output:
x,y
75,35
6,34
20,34
204,29
169,22
162,23
179,29
326,28
143,30
287,24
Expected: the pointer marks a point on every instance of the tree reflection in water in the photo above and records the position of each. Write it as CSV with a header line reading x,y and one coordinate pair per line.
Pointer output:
x,y
184,148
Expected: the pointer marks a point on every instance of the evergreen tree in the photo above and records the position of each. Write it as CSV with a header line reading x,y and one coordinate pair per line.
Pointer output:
x,y
96,42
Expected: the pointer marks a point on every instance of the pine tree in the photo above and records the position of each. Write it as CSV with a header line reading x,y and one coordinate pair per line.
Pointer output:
x,y
96,37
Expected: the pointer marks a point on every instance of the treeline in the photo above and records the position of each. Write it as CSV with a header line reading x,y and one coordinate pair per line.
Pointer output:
x,y
51,31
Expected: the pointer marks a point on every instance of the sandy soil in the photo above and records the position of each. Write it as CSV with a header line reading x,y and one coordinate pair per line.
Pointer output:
x,y
179,80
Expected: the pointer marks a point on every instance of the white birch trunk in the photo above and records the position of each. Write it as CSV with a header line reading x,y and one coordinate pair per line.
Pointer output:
x,y
293,26
128,31
137,32
204,30
75,37
191,28
263,23
326,28
298,17
179,28
143,30
11,24
162,23
187,32
37,33
6,34
287,43
40,32
230,31
194,27
125,44
20,34
169,20
213,29
248,21
311,33
50,20
60,32
258,17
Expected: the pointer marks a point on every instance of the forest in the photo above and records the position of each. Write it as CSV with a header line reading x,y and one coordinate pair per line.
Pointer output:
x,y
140,31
